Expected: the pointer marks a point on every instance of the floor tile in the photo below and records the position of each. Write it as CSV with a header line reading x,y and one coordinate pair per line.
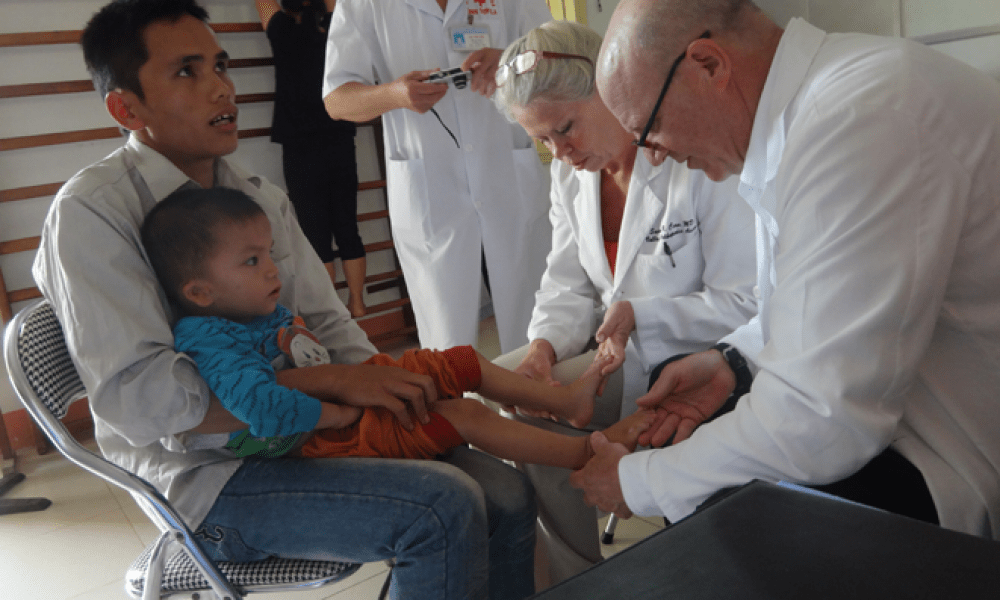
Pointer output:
x,y
628,532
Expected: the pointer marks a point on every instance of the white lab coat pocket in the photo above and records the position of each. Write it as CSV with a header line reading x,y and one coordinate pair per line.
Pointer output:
x,y
668,265
406,180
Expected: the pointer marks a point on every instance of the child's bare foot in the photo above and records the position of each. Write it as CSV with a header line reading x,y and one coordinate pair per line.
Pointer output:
x,y
582,392
626,432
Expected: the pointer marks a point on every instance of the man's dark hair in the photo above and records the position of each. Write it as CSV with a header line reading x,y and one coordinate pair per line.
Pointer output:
x,y
179,233
113,42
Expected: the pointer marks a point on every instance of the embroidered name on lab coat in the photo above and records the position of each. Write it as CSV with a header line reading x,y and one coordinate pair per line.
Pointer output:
x,y
672,229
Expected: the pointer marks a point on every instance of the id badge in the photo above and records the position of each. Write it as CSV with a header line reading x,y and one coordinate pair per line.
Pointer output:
x,y
469,38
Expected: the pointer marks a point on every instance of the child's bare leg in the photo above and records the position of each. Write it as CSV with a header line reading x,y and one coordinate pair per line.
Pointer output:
x,y
510,439
573,402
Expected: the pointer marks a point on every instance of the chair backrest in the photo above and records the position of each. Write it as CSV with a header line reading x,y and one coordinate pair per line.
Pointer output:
x,y
46,381
45,361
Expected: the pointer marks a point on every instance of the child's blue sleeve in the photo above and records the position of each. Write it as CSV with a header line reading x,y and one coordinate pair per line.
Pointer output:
x,y
244,380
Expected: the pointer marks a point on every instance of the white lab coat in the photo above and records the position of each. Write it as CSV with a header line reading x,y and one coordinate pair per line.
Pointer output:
x,y
445,202
874,171
684,301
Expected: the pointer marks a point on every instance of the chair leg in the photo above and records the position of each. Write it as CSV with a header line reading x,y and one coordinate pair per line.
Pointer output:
x,y
10,506
388,580
609,530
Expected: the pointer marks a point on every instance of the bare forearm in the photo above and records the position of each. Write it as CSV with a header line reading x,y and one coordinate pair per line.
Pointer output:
x,y
218,420
320,382
360,102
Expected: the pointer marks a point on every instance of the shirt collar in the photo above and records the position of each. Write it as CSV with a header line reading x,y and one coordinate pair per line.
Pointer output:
x,y
792,60
162,177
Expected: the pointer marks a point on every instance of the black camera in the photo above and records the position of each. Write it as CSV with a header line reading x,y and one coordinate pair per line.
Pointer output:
x,y
456,76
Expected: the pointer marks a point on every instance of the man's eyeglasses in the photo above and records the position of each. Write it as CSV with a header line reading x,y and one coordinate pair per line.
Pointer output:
x,y
528,60
641,142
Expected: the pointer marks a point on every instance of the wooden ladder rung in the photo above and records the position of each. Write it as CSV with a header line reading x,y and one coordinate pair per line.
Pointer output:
x,y
374,215
381,340
387,306
373,278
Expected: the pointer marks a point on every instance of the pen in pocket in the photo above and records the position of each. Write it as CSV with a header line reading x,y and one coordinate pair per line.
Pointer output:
x,y
670,255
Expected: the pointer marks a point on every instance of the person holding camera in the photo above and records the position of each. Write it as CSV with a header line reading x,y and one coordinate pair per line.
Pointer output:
x,y
464,184
318,155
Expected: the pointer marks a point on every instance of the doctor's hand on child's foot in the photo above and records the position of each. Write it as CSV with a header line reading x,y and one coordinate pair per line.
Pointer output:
x,y
627,431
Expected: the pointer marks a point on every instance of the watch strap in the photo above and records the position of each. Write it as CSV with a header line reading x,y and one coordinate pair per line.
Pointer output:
x,y
738,364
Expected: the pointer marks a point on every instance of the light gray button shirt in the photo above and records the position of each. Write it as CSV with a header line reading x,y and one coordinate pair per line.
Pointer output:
x,y
143,394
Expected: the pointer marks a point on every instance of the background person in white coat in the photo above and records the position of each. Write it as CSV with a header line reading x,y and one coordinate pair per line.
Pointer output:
x,y
462,181
677,246
873,166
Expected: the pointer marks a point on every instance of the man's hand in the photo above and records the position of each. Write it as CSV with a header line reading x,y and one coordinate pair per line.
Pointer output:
x,y
537,363
599,477
366,385
687,393
414,93
483,64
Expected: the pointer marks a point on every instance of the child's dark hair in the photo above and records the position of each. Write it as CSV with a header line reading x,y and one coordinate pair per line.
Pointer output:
x,y
179,233
113,44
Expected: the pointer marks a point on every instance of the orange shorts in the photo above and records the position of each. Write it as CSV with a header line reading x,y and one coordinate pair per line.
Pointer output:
x,y
379,434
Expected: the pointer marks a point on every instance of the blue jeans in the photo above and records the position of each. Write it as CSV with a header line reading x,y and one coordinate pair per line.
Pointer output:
x,y
462,527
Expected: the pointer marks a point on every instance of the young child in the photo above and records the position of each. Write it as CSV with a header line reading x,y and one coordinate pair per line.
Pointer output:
x,y
210,248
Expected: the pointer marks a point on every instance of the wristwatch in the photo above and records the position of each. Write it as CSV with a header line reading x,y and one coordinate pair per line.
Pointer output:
x,y
738,364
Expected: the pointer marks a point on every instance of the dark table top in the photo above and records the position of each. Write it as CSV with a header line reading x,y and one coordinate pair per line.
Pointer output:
x,y
768,541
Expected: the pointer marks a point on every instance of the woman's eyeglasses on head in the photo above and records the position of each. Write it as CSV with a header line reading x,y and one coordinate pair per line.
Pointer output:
x,y
528,60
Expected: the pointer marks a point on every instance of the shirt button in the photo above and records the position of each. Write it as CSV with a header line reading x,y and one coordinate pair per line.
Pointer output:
x,y
756,292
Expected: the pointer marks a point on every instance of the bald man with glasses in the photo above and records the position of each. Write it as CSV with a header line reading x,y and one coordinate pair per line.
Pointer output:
x,y
872,368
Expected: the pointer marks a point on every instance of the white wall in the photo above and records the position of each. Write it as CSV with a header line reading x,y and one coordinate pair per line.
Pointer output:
x,y
919,19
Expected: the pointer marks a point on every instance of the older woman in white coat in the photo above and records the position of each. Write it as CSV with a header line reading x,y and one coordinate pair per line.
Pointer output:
x,y
677,246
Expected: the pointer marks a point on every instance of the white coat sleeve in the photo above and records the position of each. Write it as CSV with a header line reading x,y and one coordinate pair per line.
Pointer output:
x,y
862,259
564,313
350,46
725,300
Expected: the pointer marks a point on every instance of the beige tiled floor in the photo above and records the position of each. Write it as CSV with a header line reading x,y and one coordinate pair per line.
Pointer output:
x,y
80,547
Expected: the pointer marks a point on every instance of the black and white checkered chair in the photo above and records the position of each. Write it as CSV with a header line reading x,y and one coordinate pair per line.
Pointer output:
x,y
44,378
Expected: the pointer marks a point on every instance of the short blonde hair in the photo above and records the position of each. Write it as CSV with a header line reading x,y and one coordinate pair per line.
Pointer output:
x,y
556,80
